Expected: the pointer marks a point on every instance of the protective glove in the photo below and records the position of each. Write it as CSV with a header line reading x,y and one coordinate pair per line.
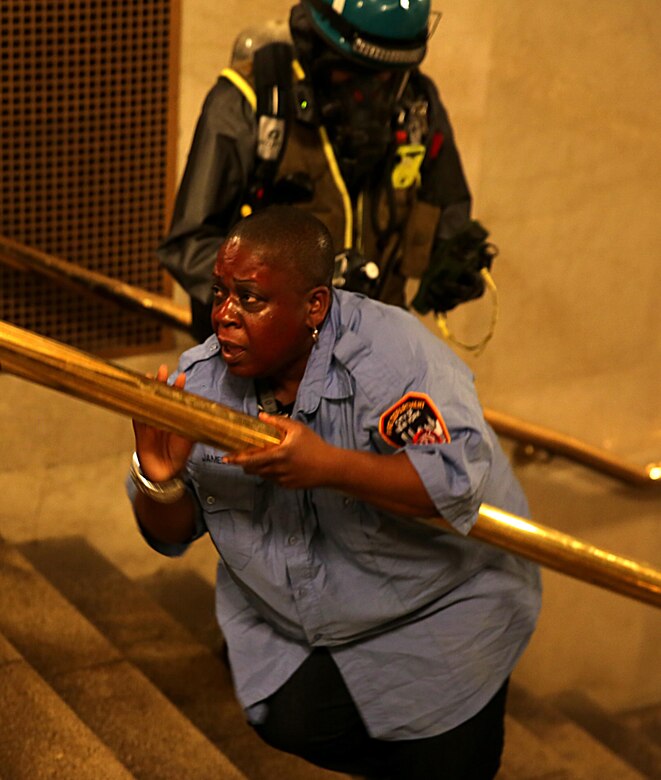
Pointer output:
x,y
453,275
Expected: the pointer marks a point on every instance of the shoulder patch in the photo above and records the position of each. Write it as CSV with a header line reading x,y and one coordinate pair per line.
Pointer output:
x,y
414,419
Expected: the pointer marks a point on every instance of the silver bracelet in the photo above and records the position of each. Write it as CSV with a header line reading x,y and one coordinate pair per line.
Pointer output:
x,y
164,492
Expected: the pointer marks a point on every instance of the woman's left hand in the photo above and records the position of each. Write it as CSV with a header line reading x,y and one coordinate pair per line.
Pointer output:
x,y
305,460
301,460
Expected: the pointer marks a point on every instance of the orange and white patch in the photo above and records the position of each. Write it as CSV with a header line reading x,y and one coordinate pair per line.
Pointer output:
x,y
414,419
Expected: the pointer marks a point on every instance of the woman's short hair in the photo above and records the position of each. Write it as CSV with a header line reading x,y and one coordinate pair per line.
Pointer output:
x,y
296,239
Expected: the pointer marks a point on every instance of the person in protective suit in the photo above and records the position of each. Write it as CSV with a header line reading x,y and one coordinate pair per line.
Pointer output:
x,y
338,120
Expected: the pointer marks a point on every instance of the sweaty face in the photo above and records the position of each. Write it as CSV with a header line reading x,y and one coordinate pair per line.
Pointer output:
x,y
259,314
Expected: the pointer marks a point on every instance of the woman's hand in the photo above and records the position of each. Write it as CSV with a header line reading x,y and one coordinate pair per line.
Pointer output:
x,y
162,454
304,460
301,460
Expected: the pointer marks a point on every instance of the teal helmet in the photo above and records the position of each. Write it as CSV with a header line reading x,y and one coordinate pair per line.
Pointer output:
x,y
378,33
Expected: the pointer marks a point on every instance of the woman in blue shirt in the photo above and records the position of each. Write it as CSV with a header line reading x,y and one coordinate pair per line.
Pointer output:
x,y
360,636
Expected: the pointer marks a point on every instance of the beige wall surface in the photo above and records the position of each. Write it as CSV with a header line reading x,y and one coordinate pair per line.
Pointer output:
x,y
555,106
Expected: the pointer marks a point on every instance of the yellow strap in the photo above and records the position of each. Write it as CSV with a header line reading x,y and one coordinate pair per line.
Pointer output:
x,y
476,349
244,87
249,93
341,186
241,84
299,74
360,219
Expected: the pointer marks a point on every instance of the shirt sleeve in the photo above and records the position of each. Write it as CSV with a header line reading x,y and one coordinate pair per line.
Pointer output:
x,y
169,550
438,422
454,476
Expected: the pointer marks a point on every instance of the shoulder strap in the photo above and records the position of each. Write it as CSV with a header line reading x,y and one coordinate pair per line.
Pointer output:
x,y
241,84
271,99
272,68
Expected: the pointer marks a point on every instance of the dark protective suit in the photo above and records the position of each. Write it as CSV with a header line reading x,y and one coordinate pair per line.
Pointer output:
x,y
221,166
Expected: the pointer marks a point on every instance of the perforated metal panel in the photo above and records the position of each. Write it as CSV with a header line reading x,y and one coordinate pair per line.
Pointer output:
x,y
87,121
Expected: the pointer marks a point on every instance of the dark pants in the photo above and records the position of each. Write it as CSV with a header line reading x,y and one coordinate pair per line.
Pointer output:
x,y
313,716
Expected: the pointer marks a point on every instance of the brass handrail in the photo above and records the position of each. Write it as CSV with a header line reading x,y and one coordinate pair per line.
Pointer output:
x,y
76,373
168,313
22,257
568,446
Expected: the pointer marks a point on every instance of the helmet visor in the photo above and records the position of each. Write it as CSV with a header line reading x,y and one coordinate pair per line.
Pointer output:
x,y
376,51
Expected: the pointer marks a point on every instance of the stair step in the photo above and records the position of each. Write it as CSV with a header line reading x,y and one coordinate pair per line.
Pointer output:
x,y
588,758
190,599
647,720
144,730
183,661
631,743
40,736
188,672
527,757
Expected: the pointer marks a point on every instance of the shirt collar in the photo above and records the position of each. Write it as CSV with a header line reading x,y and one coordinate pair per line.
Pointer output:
x,y
324,376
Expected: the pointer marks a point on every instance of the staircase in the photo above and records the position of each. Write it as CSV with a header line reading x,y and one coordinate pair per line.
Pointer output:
x,y
102,677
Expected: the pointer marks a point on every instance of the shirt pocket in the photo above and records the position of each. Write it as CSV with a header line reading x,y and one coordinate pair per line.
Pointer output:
x,y
348,522
227,497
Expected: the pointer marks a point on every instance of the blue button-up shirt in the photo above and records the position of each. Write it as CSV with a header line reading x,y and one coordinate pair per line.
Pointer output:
x,y
424,624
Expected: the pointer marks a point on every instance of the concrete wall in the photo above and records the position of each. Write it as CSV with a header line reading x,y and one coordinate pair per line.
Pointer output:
x,y
555,108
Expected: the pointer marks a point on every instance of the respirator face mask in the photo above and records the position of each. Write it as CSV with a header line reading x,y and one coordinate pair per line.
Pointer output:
x,y
357,106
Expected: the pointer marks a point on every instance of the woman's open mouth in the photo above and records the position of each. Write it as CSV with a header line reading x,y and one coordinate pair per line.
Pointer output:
x,y
230,352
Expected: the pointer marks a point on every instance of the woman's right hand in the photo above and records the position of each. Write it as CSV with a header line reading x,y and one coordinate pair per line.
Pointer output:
x,y
162,454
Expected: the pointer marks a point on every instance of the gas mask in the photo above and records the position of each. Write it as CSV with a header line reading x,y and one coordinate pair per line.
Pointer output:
x,y
357,107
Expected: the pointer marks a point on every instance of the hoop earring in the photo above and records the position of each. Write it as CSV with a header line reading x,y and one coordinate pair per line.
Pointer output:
x,y
315,335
